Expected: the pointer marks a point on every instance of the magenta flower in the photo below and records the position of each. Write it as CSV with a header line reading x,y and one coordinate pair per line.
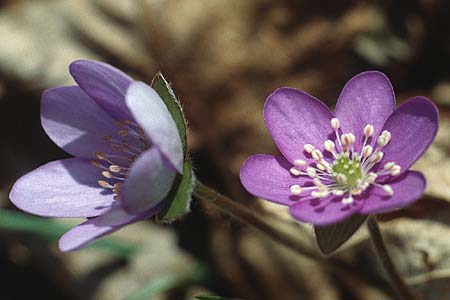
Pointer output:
x,y
127,153
354,160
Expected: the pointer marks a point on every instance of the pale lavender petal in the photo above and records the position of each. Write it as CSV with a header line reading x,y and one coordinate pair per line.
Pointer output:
x,y
148,182
367,98
325,211
294,119
152,115
93,229
268,177
413,127
63,188
407,190
75,122
105,84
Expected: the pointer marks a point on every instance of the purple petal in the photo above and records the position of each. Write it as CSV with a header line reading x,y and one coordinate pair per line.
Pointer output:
x,y
152,115
407,190
294,119
75,122
63,188
367,98
148,182
413,127
93,229
325,211
268,177
105,84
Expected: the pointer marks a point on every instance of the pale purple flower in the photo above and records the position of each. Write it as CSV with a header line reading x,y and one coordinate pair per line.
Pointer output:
x,y
352,160
127,154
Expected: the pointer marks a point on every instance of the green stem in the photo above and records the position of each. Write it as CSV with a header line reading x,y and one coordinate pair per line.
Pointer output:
x,y
398,283
245,215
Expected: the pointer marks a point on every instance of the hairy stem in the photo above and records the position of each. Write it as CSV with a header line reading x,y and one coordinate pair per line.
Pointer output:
x,y
398,283
245,215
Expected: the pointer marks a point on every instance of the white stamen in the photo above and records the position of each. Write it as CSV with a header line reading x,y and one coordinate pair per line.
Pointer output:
x,y
395,170
388,189
296,189
335,124
115,168
348,200
299,163
295,171
368,130
338,192
388,165
311,172
317,154
308,148
367,151
329,146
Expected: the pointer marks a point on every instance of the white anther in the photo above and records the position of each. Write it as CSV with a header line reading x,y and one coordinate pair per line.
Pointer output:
x,y
347,201
320,166
367,151
341,178
295,171
338,192
308,148
311,172
387,135
317,182
329,145
378,157
347,139
299,163
115,168
370,178
104,184
388,189
317,154
368,130
382,141
320,194
296,189
356,191
388,165
335,124
107,174
395,170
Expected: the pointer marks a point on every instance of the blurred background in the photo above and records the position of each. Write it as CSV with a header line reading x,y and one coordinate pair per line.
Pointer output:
x,y
224,57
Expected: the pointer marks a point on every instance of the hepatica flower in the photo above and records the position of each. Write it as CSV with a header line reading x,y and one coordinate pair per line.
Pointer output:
x,y
126,148
354,160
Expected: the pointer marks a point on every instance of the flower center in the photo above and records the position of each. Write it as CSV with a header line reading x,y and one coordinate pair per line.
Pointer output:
x,y
349,173
346,166
126,145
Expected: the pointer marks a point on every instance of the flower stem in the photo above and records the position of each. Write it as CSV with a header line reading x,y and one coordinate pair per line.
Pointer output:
x,y
245,215
399,284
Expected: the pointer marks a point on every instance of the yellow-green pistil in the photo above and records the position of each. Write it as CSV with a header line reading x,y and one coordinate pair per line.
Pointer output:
x,y
348,167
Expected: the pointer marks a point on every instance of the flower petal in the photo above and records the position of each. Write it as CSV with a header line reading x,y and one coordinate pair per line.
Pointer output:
x,y
75,122
413,127
268,177
294,119
148,182
152,115
63,188
105,84
325,211
367,98
93,229
407,190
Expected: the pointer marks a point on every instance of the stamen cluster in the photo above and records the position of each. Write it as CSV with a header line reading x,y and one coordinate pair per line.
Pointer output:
x,y
127,146
349,173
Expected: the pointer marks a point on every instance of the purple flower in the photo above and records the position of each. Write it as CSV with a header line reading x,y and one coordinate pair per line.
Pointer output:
x,y
127,154
354,160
